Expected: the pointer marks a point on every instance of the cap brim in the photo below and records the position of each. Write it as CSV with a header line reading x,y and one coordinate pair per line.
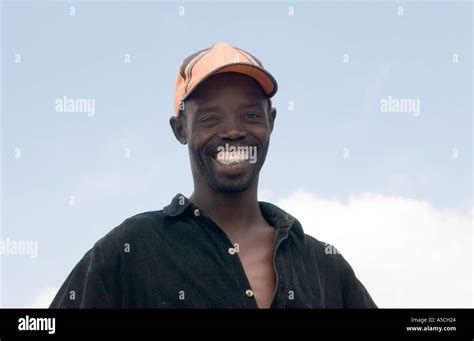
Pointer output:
x,y
263,77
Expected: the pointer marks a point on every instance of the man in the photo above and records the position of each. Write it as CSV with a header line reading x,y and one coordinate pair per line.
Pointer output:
x,y
221,248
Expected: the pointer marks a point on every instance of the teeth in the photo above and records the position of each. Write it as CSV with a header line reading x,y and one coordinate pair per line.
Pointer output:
x,y
230,158
228,162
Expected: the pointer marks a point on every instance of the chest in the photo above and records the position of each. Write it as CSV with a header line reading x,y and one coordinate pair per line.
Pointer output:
x,y
190,270
256,257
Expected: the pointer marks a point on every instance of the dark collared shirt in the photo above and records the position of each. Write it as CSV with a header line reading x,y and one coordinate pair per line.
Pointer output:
x,y
179,258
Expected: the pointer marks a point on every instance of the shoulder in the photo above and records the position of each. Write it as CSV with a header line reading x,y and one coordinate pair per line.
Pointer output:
x,y
135,229
332,264
328,256
317,245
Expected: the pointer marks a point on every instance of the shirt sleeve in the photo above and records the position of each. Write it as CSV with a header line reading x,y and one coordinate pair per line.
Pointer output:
x,y
355,295
84,287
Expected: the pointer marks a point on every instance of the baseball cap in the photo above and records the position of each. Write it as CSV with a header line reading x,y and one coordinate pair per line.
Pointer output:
x,y
219,58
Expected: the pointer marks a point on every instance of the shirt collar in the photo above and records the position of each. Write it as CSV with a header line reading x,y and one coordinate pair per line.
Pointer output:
x,y
177,206
277,217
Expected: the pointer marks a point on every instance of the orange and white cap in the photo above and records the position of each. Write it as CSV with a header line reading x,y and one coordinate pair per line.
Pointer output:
x,y
219,58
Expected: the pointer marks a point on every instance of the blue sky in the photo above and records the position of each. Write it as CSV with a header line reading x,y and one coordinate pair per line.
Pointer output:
x,y
336,106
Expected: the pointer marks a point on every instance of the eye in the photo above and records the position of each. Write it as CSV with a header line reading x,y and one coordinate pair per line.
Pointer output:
x,y
253,116
207,119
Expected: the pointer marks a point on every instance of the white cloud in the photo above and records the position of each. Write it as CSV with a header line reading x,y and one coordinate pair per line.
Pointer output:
x,y
406,252
44,298
265,194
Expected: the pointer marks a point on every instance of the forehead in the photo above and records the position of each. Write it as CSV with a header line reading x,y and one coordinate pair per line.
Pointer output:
x,y
229,84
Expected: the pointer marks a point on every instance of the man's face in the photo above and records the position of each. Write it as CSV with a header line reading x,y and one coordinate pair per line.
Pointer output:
x,y
227,126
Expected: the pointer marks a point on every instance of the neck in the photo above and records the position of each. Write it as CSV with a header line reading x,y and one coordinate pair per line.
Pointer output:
x,y
233,212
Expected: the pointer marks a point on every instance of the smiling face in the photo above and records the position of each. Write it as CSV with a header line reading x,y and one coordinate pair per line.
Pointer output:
x,y
227,124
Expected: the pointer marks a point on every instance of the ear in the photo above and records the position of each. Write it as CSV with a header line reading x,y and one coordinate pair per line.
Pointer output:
x,y
179,129
271,117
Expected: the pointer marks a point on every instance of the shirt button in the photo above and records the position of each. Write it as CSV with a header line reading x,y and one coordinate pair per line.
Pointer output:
x,y
249,293
232,251
197,213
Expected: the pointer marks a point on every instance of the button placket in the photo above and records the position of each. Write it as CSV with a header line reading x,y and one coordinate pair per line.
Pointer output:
x,y
241,281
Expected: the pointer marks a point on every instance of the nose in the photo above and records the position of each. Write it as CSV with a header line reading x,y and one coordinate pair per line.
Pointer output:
x,y
232,129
